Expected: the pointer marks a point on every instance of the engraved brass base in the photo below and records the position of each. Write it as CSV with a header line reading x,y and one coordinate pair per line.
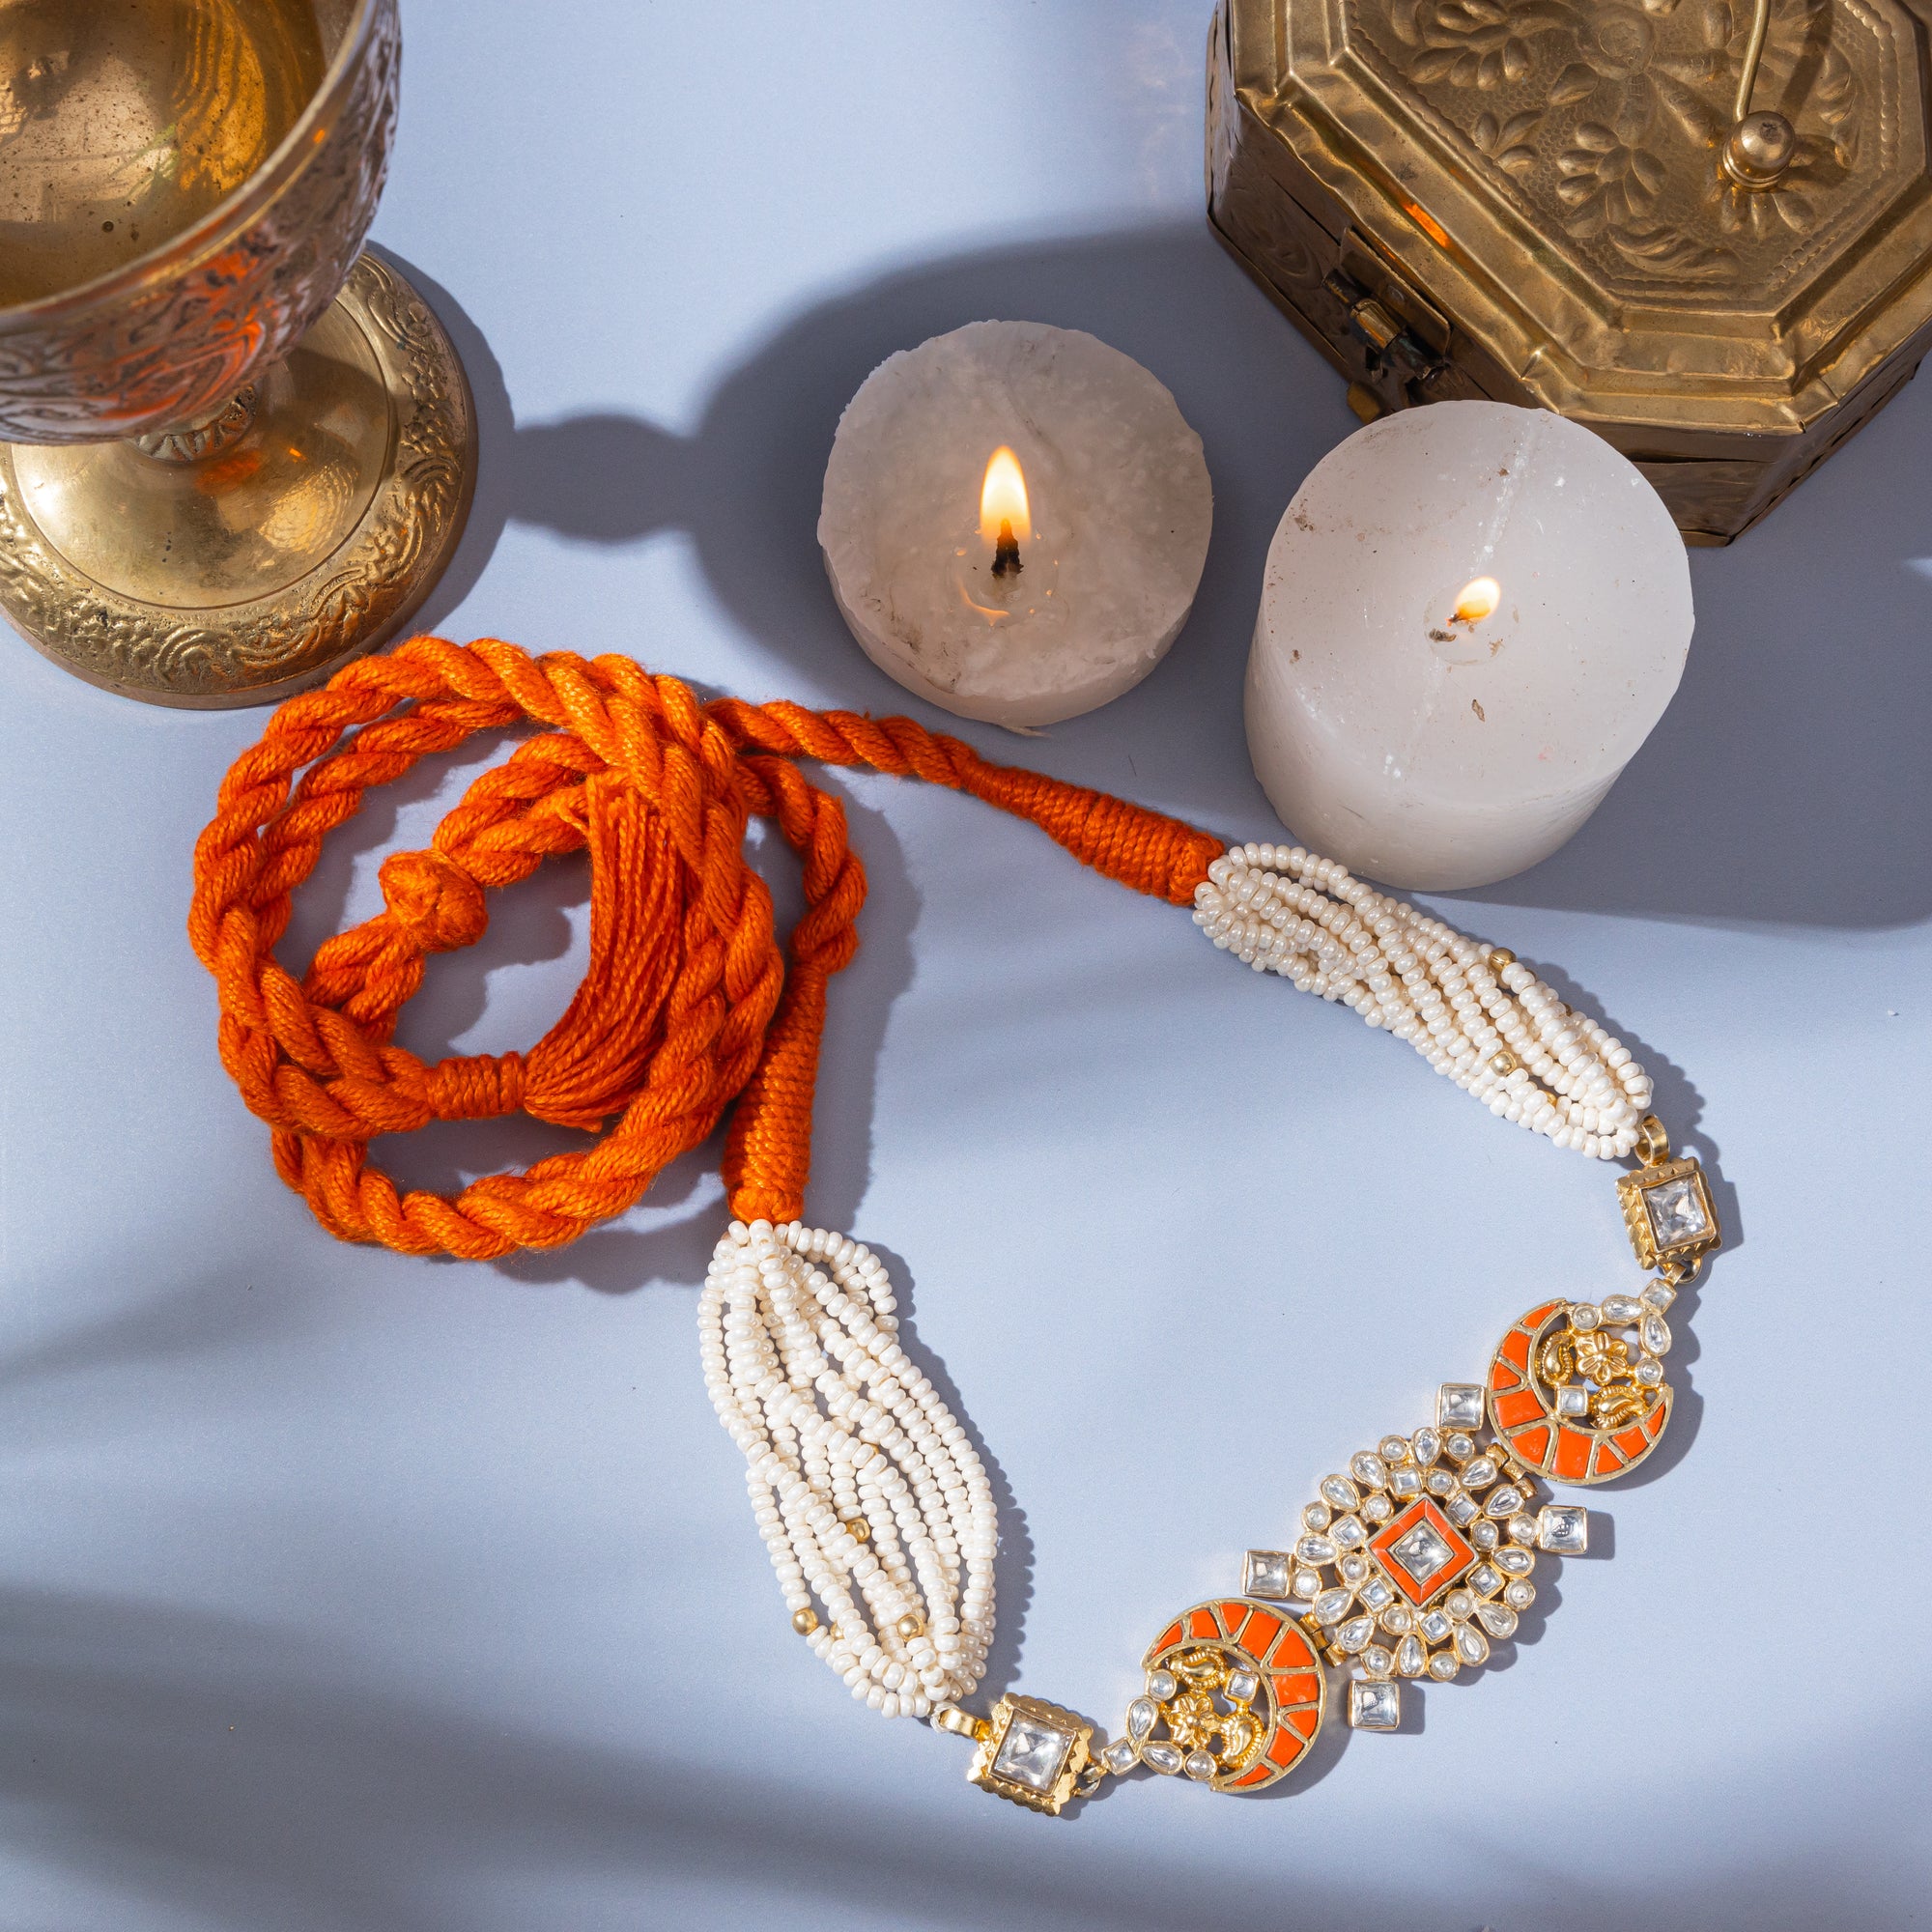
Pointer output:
x,y
236,560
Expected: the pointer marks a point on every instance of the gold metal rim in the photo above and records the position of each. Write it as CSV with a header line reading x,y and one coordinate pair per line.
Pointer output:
x,y
360,595
228,220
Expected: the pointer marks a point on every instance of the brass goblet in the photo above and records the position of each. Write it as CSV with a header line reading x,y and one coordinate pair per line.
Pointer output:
x,y
236,452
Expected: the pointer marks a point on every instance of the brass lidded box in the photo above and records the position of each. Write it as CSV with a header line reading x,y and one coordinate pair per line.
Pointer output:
x,y
1704,232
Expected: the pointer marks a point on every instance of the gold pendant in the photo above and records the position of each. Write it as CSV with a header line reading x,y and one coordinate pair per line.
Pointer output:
x,y
1412,1563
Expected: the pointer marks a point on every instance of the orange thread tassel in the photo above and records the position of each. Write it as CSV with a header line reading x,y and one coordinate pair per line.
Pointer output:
x,y
688,1004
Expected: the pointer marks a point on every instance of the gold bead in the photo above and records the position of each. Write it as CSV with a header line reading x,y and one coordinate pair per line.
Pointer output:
x,y
1505,1063
912,1624
805,1621
859,1529
1499,957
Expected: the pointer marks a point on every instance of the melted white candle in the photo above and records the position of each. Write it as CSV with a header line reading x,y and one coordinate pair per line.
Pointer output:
x,y
1118,508
1473,615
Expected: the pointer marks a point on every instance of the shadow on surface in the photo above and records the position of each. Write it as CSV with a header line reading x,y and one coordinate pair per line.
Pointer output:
x,y
1786,784
240,1778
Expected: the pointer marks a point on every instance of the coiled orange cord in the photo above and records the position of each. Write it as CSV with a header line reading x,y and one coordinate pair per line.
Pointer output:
x,y
687,1004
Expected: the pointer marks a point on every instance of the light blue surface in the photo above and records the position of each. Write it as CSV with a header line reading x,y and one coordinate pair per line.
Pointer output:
x,y
345,1593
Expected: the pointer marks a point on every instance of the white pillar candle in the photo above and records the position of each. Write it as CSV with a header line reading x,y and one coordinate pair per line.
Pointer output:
x,y
1083,460
1472,616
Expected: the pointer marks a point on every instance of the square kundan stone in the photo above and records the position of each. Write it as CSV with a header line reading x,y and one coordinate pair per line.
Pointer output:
x,y
1563,1529
1374,1704
1266,1574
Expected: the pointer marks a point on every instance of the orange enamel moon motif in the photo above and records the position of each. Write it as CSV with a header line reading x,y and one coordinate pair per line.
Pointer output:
x,y
1291,1688
1524,1409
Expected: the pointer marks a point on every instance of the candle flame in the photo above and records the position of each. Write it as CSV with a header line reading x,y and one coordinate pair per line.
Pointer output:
x,y
1477,599
1003,500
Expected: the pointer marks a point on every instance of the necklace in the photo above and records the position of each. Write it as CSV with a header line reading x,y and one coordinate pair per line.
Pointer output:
x,y
1411,1562
875,1509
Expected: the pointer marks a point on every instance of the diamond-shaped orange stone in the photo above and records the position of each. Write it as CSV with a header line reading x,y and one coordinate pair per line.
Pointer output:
x,y
1422,1551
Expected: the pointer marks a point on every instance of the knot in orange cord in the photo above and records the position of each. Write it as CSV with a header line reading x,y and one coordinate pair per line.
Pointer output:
x,y
688,1004
437,903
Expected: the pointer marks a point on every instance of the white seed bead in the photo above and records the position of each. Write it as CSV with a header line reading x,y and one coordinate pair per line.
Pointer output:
x,y
1284,911
798,1343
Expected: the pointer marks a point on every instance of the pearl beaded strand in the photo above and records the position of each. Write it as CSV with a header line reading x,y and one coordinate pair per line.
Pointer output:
x,y
868,1492
1478,1018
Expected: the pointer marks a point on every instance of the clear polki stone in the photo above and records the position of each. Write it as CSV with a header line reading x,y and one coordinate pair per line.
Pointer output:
x,y
1378,1509
1332,1606
1436,1626
1397,1619
1459,1447
1354,1568
1265,1573
1315,1550
1498,1619
1201,1764
1514,1562
1562,1528
1377,1660
1122,1755
1393,1449
1655,1334
1519,1596
1163,1758
1347,1533
1586,1316
1572,1401
1620,1308
1658,1295
1427,1444
1374,1704
1484,1535
1460,1604
1339,1490
1032,1753
1162,1685
1354,1635
1485,1579
1369,1470
1315,1516
1473,1647
1442,1483
1307,1583
1480,1473
1676,1209
1242,1686
1405,1482
1411,1660
1459,1406
1523,1528
1461,1510
1504,1502
1142,1714
1374,1593
1649,1371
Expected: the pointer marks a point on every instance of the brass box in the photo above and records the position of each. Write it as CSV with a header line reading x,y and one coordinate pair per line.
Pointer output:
x,y
1524,200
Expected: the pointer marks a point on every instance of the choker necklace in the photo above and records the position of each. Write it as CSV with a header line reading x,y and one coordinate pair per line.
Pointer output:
x,y
1411,1560
875,1509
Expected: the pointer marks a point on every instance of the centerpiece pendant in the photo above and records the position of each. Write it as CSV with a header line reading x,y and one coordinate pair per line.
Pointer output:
x,y
1411,1562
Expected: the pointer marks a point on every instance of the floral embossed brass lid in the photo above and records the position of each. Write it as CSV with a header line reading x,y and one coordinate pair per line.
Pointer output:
x,y
1546,183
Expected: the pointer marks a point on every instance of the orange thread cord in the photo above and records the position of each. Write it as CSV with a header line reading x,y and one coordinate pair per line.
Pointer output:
x,y
688,1004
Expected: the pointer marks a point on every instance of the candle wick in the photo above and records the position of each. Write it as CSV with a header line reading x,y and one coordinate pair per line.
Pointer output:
x,y
1006,551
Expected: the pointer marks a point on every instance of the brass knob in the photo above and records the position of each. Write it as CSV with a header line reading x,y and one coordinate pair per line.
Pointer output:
x,y
1759,149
